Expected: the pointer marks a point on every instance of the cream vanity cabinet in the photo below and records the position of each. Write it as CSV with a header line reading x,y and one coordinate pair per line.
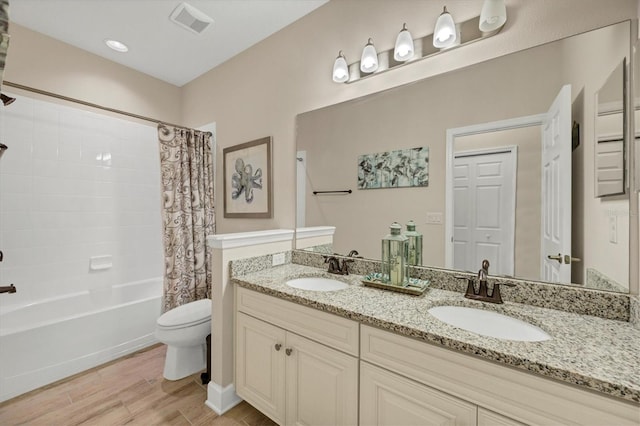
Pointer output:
x,y
405,381
290,378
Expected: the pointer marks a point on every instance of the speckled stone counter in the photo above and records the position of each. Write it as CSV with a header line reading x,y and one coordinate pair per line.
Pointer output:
x,y
591,352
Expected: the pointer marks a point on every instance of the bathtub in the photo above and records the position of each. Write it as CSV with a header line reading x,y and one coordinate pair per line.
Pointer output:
x,y
56,338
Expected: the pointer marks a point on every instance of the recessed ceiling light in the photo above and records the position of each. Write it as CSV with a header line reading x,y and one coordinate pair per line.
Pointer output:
x,y
117,46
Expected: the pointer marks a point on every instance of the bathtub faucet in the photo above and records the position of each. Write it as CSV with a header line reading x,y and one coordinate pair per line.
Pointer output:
x,y
8,289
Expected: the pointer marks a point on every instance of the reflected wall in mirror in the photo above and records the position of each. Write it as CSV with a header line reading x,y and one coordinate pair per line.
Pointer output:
x,y
611,176
523,84
4,34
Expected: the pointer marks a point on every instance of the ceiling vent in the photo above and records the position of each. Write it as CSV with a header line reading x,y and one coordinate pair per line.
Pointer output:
x,y
191,18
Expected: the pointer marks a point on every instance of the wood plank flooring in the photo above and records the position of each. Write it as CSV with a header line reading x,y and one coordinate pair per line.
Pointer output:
x,y
128,391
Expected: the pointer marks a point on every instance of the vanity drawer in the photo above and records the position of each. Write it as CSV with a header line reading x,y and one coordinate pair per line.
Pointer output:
x,y
331,330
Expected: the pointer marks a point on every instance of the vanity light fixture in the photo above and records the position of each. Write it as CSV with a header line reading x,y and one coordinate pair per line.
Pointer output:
x,y
340,69
404,49
446,36
445,33
116,45
369,60
493,15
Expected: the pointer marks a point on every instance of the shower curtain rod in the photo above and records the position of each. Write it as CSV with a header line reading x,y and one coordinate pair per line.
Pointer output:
x,y
85,103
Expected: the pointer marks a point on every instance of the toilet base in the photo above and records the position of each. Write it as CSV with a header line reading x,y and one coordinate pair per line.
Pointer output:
x,y
181,362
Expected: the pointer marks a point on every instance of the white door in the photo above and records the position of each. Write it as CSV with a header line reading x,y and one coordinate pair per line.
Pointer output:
x,y
484,200
556,190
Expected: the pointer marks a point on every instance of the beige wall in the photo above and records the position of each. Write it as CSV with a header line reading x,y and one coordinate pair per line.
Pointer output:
x,y
41,62
259,92
587,75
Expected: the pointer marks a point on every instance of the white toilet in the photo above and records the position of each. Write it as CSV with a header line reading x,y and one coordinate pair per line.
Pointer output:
x,y
184,330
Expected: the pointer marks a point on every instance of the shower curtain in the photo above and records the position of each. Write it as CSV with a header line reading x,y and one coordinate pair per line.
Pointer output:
x,y
186,169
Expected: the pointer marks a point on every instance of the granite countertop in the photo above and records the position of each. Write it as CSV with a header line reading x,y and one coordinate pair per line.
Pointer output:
x,y
591,352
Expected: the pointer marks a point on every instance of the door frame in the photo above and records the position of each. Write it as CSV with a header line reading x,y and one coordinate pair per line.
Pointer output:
x,y
475,129
301,188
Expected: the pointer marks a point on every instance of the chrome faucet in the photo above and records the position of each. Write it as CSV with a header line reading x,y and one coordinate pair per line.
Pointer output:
x,y
483,289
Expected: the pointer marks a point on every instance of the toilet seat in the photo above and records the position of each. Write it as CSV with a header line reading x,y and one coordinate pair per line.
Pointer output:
x,y
188,315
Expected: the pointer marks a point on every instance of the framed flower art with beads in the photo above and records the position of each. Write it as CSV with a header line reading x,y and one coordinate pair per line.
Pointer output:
x,y
248,180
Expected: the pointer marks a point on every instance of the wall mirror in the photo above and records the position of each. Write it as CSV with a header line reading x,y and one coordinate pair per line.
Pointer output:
x,y
469,119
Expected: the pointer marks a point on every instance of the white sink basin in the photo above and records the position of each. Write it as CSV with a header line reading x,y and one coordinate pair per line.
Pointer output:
x,y
317,284
489,323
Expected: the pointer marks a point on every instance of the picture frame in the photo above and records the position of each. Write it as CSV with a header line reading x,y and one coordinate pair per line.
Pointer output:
x,y
400,168
248,182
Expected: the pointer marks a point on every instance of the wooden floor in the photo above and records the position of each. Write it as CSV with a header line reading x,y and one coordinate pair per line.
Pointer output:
x,y
128,391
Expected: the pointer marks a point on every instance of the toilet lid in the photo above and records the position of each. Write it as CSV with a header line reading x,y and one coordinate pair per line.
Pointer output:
x,y
190,314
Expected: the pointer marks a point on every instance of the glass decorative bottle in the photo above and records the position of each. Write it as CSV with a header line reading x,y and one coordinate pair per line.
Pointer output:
x,y
415,244
394,257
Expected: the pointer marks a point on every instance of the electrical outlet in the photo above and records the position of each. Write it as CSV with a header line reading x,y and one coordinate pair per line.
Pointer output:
x,y
278,259
613,229
434,218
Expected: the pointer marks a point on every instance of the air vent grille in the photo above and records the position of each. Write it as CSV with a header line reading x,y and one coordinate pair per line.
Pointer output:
x,y
190,18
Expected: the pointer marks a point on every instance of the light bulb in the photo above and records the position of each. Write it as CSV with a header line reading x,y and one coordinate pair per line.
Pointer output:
x,y
493,15
340,69
444,35
369,59
404,45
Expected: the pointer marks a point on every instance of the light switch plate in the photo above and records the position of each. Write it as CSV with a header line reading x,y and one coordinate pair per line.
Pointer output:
x,y
434,217
278,259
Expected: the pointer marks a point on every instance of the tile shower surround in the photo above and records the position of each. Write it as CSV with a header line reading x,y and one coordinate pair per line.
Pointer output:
x,y
75,184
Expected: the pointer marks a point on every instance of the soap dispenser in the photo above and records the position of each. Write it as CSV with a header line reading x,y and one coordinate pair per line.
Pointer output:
x,y
395,249
415,244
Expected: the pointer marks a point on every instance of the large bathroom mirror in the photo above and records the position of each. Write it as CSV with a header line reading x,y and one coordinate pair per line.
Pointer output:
x,y
485,121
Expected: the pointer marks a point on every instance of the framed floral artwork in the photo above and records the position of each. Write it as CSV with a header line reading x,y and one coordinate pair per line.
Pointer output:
x,y
394,169
248,180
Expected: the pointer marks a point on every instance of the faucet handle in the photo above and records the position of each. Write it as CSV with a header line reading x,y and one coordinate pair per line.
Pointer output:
x,y
354,253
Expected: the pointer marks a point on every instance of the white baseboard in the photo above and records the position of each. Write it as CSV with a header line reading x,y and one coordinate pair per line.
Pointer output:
x,y
221,400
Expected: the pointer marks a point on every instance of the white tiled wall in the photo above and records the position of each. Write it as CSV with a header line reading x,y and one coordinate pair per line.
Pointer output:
x,y
75,184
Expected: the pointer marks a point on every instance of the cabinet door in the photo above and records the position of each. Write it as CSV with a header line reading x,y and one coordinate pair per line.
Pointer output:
x,y
389,399
489,418
260,366
322,384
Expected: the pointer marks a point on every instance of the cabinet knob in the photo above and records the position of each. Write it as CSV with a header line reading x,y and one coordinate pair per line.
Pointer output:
x,y
288,351
278,346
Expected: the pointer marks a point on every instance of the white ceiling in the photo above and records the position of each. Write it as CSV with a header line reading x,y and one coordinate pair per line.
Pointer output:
x,y
157,46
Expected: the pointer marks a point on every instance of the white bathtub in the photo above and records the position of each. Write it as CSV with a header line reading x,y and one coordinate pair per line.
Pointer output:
x,y
50,340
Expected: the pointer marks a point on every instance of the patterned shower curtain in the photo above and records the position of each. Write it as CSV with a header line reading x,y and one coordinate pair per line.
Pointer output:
x,y
186,169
